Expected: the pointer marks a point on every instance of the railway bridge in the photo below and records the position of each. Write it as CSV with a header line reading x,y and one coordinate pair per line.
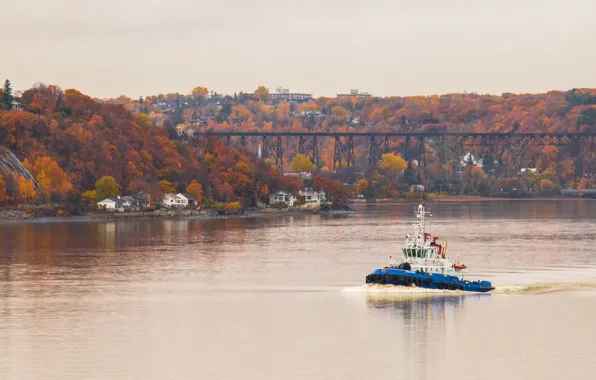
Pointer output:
x,y
412,145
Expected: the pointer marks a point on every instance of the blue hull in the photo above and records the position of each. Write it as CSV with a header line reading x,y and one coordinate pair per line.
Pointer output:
x,y
391,276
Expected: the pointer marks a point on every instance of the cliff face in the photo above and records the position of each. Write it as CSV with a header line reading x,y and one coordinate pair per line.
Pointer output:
x,y
9,164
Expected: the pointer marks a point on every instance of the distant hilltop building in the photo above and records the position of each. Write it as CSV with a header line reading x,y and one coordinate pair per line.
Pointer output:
x,y
284,94
355,93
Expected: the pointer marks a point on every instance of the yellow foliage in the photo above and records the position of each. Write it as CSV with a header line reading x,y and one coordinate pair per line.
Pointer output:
x,y
52,180
362,186
300,163
167,186
90,195
546,186
106,187
262,93
232,206
25,189
199,92
392,162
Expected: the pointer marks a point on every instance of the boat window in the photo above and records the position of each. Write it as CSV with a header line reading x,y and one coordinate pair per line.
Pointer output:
x,y
419,252
405,253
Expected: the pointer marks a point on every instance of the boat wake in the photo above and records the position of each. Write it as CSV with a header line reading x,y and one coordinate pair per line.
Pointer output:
x,y
541,288
392,289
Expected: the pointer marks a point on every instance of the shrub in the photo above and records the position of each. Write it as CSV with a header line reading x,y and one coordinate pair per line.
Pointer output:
x,y
232,206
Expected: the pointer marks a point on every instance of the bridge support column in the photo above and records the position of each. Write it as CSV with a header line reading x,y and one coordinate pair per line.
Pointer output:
x,y
344,154
376,149
309,147
579,172
421,157
272,148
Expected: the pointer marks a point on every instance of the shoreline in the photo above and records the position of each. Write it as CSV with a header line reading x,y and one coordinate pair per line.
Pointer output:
x,y
98,216
22,216
463,199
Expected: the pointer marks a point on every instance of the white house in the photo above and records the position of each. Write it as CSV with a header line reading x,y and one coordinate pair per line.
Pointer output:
x,y
528,170
188,198
312,198
113,204
281,197
173,200
469,159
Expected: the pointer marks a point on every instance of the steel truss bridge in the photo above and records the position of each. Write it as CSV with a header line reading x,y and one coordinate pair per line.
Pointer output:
x,y
413,145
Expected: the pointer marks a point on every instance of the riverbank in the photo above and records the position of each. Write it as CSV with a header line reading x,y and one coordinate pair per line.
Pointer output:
x,y
464,198
209,214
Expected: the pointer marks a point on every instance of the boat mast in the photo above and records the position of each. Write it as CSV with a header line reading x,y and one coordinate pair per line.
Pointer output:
x,y
420,227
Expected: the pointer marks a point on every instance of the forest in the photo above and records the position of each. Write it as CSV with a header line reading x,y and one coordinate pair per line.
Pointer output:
x,y
69,141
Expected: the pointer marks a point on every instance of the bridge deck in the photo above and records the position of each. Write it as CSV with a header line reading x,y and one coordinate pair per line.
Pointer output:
x,y
396,134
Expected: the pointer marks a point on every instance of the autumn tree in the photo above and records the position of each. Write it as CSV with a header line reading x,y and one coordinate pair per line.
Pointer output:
x,y
7,98
334,190
196,190
232,206
25,189
300,164
90,196
262,93
199,93
339,114
362,186
392,163
106,187
3,194
546,186
167,186
52,180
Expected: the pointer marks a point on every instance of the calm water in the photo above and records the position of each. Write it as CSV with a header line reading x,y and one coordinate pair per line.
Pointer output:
x,y
282,298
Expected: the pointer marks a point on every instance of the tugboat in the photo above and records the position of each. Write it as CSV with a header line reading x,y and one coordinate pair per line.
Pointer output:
x,y
424,264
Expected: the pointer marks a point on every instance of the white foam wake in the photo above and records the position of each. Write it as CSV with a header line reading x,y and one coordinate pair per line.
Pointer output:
x,y
499,289
392,289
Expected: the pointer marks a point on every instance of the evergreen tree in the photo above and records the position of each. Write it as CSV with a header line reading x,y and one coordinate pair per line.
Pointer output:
x,y
409,175
7,97
488,163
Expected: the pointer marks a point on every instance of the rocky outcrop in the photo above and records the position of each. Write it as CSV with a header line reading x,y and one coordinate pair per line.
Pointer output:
x,y
15,215
9,164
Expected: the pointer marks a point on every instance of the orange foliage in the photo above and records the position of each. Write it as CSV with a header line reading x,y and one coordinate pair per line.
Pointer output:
x,y
196,190
52,180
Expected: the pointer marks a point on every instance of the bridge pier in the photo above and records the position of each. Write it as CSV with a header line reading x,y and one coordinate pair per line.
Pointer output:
x,y
376,149
309,147
344,153
240,143
273,147
578,166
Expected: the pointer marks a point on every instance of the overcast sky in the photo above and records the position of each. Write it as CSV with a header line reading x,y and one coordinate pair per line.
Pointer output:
x,y
386,47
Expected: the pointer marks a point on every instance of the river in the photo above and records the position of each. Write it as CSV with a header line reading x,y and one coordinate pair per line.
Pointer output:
x,y
282,297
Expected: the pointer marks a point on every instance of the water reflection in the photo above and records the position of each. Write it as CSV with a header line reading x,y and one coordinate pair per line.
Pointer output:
x,y
414,308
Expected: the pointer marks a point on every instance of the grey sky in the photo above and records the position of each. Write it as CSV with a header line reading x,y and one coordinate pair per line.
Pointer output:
x,y
386,47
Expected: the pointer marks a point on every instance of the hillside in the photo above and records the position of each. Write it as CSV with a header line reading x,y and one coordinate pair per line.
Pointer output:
x,y
553,112
68,141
